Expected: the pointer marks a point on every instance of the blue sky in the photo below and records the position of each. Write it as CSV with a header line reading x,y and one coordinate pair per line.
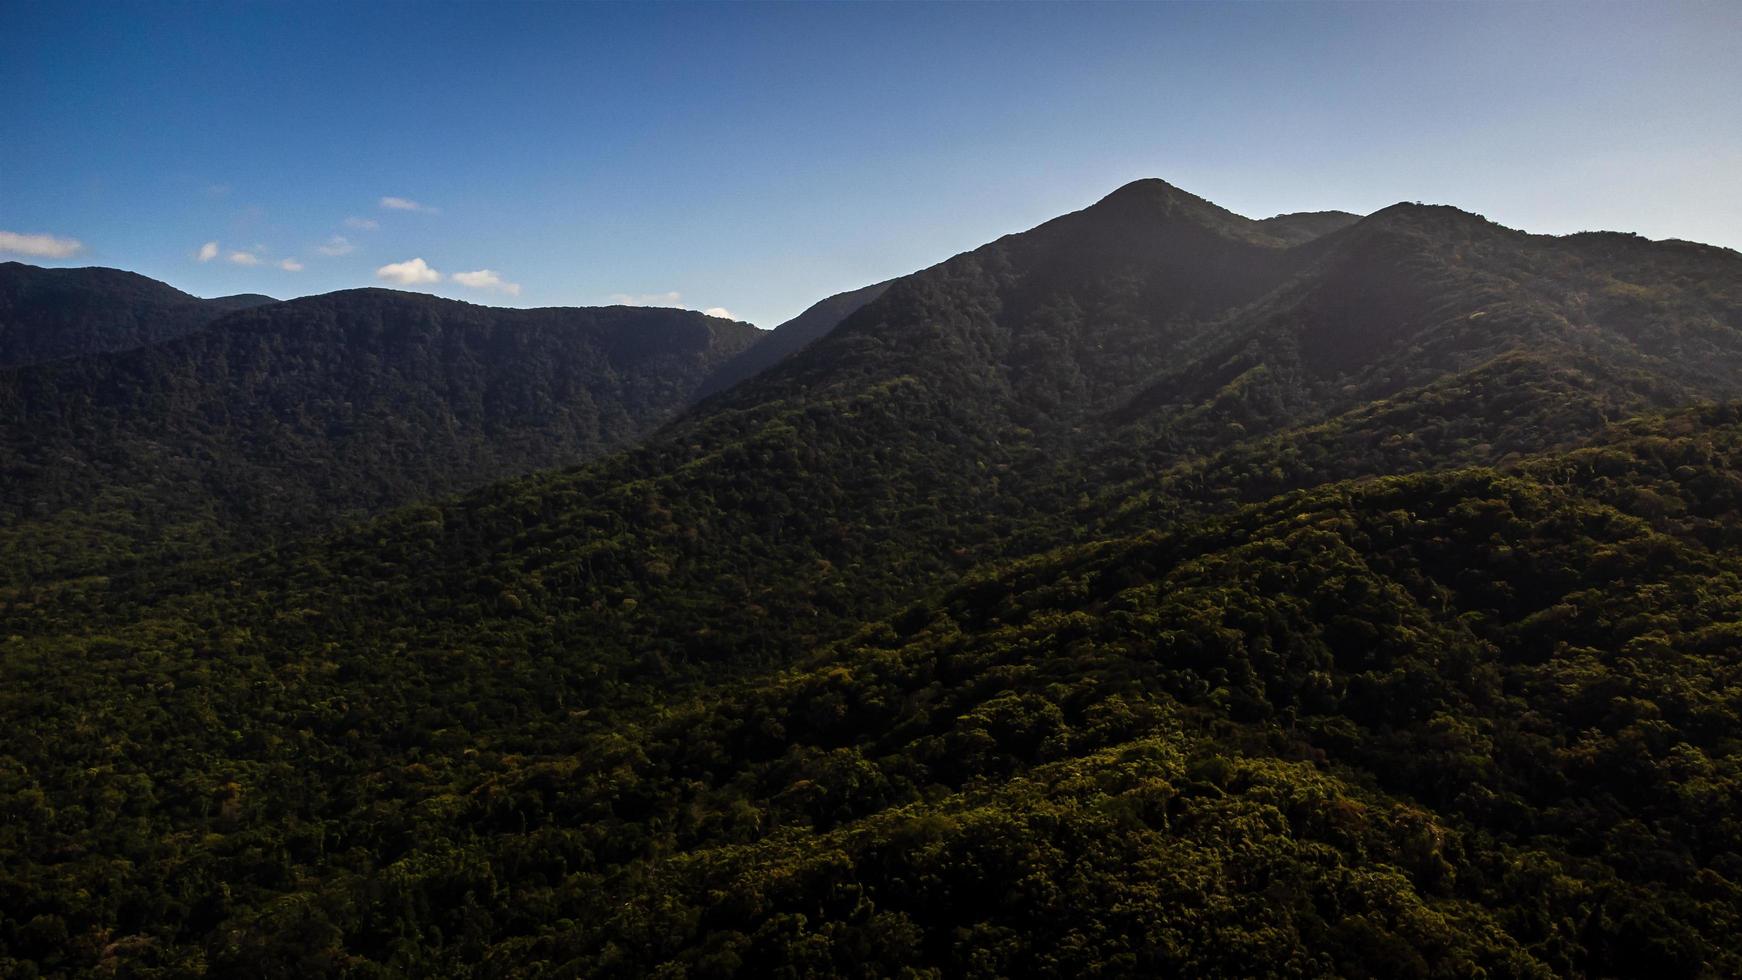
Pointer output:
x,y
757,158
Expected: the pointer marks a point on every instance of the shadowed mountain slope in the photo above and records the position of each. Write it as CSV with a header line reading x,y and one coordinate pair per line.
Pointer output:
x,y
305,413
1304,226
53,313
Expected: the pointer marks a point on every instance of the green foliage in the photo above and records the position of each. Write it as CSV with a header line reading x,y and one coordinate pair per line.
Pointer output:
x,y
1413,726
46,314
302,415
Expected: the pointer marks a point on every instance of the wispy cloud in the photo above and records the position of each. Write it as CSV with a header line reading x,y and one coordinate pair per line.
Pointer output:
x,y
244,258
336,245
721,312
413,273
290,265
673,298
39,246
407,204
208,251
487,279
363,224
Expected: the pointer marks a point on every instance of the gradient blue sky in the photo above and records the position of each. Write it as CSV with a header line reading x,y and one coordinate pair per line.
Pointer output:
x,y
757,158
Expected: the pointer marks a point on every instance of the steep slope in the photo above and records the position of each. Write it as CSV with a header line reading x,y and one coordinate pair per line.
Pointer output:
x,y
1414,295
1085,299
52,313
306,413
791,337
1063,319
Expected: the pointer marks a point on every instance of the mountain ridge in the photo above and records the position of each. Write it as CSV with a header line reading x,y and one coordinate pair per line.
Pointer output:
x,y
792,336
293,415
50,313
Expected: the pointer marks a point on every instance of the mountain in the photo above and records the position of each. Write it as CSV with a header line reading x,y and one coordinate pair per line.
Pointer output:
x,y
47,314
1429,303
1154,591
306,413
791,337
1304,226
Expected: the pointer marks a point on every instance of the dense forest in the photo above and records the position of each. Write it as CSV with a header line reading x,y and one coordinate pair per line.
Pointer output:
x,y
296,416
46,314
1155,592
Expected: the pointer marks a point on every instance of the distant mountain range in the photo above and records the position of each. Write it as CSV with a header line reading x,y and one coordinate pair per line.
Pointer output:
x,y
1154,592
296,415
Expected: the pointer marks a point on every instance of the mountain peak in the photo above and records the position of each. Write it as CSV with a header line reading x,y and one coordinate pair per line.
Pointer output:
x,y
1427,215
1153,193
1155,201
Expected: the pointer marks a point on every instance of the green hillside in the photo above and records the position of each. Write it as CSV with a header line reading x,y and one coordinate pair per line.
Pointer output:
x,y
302,415
47,314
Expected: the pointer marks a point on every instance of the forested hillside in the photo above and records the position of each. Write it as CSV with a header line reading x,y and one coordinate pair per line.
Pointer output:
x,y
1155,592
51,313
301,415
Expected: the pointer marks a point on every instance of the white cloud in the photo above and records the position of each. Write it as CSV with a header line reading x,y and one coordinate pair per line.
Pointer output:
x,y
486,279
412,273
40,246
244,258
673,298
406,204
290,265
719,311
336,245
362,224
208,251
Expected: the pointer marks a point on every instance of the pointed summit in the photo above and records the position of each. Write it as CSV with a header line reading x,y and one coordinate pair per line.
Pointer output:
x,y
1147,189
1155,201
1157,196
